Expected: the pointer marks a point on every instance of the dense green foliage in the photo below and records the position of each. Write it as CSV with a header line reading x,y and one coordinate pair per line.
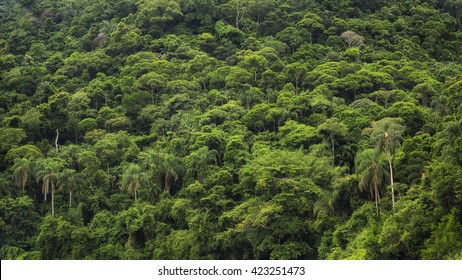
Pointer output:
x,y
230,129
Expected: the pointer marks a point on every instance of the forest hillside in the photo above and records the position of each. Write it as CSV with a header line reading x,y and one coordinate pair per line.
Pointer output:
x,y
230,129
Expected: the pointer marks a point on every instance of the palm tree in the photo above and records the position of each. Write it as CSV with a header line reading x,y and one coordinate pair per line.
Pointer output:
x,y
151,160
67,181
328,206
387,134
107,27
371,169
172,170
48,171
21,172
133,179
70,153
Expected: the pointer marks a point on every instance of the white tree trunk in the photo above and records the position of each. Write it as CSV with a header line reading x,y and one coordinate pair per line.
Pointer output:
x,y
56,140
391,180
52,199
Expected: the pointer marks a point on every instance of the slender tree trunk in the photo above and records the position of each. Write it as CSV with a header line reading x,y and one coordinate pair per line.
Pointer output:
x,y
377,199
56,140
136,198
52,198
167,184
391,180
237,15
70,199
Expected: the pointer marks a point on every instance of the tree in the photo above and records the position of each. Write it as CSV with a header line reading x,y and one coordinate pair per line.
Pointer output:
x,y
295,135
446,241
157,14
166,168
387,134
236,153
10,138
22,171
403,234
172,169
370,167
238,78
352,39
153,83
134,179
25,151
414,116
67,181
48,171
197,163
311,22
255,64
332,128
296,71
19,222
450,139
291,36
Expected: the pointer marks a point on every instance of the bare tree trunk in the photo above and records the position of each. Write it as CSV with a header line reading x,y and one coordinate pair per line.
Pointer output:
x,y
391,179
167,184
56,140
237,15
52,199
70,199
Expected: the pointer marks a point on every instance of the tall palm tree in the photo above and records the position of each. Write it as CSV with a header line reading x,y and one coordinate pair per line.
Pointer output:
x,y
70,153
172,170
48,171
67,181
371,169
22,171
107,27
151,160
387,134
328,206
133,179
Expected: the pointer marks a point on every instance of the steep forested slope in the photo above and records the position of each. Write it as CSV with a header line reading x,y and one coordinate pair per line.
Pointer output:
x,y
241,129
